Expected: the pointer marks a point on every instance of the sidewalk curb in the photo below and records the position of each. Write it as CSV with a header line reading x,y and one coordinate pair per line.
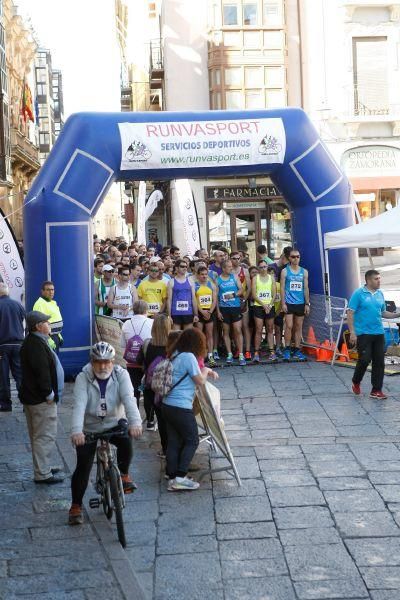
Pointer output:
x,y
120,564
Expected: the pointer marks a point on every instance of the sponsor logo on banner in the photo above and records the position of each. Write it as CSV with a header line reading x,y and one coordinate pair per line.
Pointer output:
x,y
11,267
186,144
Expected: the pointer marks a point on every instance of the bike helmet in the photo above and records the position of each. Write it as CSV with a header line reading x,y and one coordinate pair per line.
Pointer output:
x,y
102,351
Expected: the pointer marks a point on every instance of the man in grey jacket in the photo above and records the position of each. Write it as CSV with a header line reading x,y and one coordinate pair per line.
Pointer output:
x,y
103,394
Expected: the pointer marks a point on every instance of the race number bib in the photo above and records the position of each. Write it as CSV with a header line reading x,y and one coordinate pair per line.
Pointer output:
x,y
102,409
296,286
182,305
154,307
264,296
228,296
205,300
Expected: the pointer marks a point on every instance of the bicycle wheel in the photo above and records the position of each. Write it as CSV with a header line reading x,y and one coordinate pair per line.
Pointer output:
x,y
103,487
117,504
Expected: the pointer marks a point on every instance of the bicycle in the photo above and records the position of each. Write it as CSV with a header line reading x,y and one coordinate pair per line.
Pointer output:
x,y
108,478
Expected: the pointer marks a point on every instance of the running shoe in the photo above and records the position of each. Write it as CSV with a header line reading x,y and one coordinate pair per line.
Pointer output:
x,y
278,352
216,355
298,355
242,360
286,354
211,362
75,515
355,387
128,484
256,357
170,484
150,425
271,356
229,359
184,484
161,454
247,355
377,394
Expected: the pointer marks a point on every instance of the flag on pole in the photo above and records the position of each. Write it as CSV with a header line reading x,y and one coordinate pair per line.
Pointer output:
x,y
27,104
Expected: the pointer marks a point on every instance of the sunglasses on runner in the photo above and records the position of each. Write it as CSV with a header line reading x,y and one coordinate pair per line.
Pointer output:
x,y
153,270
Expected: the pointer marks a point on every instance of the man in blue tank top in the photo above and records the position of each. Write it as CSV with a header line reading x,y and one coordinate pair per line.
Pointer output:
x,y
295,303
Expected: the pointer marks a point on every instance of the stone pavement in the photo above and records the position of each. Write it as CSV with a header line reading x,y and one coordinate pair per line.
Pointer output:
x,y
317,516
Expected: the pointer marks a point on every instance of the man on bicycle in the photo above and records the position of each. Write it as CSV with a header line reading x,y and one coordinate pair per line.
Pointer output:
x,y
103,394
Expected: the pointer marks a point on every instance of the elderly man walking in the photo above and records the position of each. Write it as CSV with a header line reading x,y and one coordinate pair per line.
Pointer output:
x,y
39,395
12,316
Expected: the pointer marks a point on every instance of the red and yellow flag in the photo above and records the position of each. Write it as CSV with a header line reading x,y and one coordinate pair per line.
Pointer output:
x,y
27,104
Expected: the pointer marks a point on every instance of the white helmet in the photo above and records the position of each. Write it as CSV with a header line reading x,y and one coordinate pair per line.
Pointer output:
x,y
102,351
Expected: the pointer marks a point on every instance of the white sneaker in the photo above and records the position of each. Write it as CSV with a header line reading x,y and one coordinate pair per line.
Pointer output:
x,y
185,483
170,484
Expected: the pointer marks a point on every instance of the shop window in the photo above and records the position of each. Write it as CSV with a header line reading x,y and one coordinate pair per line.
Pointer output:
x,y
280,229
219,226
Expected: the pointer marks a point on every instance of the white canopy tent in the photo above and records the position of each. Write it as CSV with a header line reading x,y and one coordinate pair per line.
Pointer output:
x,y
378,232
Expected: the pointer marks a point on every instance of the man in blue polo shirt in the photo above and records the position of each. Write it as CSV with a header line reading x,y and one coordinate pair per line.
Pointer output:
x,y
364,317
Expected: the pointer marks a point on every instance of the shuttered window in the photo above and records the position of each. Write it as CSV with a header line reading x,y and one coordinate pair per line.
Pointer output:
x,y
370,76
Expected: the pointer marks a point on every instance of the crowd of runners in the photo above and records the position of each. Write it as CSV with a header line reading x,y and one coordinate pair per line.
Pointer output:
x,y
242,308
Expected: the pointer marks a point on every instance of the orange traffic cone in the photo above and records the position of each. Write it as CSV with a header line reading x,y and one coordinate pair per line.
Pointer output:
x,y
323,352
344,353
312,340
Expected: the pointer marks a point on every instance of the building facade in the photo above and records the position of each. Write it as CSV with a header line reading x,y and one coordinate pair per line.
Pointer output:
x,y
44,102
356,107
18,133
58,99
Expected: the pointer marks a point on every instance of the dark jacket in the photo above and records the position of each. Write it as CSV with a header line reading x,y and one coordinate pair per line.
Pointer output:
x,y
39,374
12,315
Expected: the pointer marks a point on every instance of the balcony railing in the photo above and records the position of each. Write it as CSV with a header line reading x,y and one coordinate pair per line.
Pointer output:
x,y
23,152
370,103
156,57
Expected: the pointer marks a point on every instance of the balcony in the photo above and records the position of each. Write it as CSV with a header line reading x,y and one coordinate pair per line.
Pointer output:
x,y
24,154
156,65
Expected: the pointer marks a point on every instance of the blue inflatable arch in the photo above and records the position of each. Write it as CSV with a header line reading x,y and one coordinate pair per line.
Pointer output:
x,y
95,149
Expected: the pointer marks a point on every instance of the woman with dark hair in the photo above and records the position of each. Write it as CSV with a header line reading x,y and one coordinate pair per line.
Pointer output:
x,y
177,408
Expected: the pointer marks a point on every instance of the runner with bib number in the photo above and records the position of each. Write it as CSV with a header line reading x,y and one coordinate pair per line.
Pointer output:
x,y
182,306
264,292
295,303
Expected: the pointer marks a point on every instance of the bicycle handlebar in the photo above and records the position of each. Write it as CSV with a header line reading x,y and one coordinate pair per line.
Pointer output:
x,y
120,430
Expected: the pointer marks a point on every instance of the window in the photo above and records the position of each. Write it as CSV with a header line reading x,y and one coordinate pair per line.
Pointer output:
x,y
370,76
41,89
250,13
216,79
230,12
43,110
255,99
41,75
216,101
232,38
44,139
273,39
272,13
276,98
251,39
44,124
253,77
234,99
233,76
274,77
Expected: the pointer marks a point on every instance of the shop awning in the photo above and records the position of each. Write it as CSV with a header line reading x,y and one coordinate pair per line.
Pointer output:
x,y
379,232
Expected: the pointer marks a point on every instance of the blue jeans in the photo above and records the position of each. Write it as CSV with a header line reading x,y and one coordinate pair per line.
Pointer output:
x,y
9,359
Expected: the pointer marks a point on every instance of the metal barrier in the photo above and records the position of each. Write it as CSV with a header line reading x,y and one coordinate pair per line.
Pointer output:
x,y
325,323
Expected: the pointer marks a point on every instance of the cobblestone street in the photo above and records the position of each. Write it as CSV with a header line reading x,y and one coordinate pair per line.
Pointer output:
x,y
317,516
